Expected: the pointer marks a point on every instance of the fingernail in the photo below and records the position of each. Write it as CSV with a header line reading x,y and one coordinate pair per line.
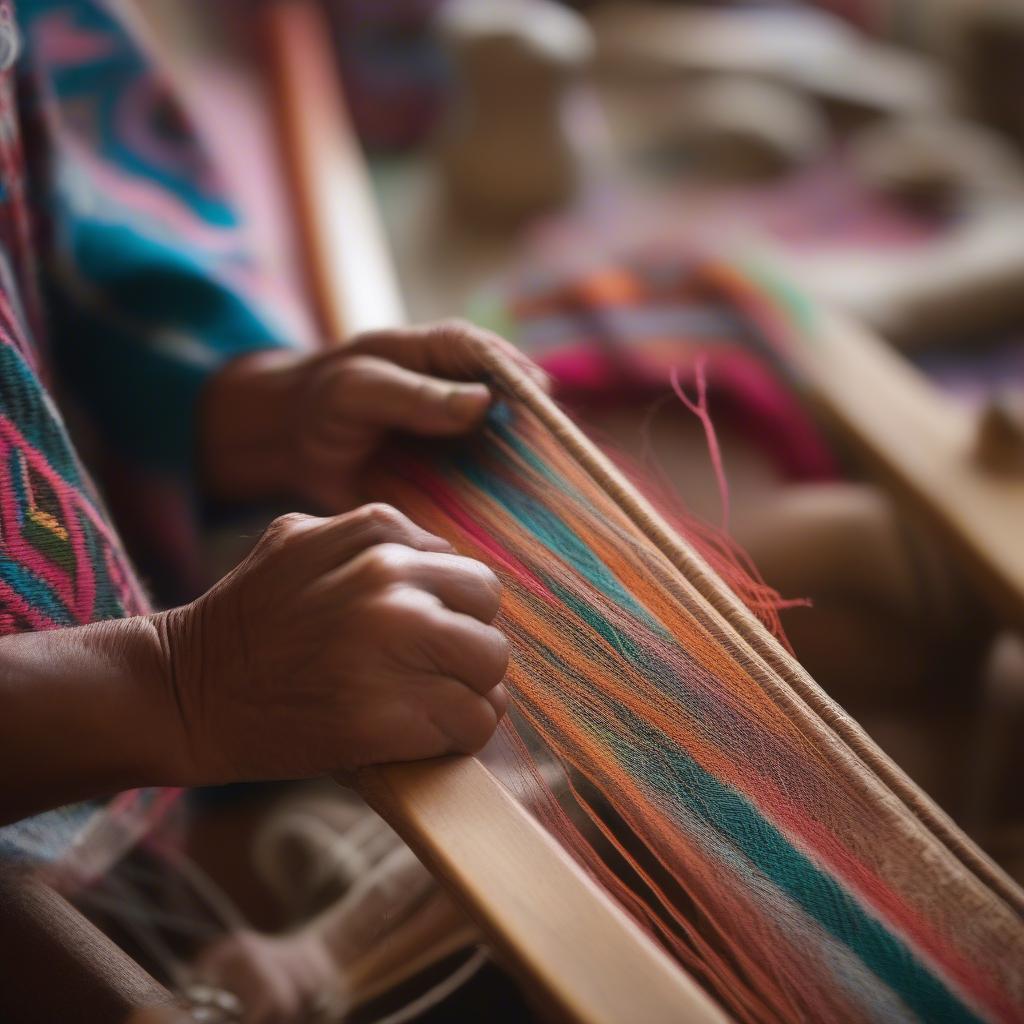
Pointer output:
x,y
467,402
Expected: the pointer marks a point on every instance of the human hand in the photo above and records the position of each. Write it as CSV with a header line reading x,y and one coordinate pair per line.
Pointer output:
x,y
337,643
305,424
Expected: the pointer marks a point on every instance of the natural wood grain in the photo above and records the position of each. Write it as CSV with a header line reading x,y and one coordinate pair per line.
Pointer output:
x,y
349,266
57,966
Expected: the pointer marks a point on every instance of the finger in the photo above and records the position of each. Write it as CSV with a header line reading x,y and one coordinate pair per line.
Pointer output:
x,y
330,542
456,645
381,393
398,730
462,584
465,718
451,348
498,699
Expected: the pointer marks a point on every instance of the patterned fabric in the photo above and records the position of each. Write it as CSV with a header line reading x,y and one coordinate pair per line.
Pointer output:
x,y
60,561
124,284
618,333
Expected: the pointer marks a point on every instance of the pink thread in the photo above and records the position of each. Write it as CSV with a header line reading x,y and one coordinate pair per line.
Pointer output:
x,y
700,410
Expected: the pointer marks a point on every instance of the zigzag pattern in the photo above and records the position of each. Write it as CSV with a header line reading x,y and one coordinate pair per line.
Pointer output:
x,y
60,561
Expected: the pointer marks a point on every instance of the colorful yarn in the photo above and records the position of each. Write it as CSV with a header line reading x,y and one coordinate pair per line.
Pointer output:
x,y
721,824
699,408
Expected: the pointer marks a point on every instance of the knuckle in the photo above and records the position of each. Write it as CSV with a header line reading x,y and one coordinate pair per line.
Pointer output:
x,y
385,565
381,520
405,612
425,392
340,379
351,369
453,330
454,325
284,529
459,329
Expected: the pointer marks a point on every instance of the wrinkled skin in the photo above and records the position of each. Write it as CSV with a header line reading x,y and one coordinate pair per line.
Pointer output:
x,y
338,643
305,425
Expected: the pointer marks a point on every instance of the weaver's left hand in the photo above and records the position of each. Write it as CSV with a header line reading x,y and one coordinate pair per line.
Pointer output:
x,y
303,425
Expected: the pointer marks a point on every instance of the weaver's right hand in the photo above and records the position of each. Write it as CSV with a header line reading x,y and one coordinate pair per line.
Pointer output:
x,y
338,643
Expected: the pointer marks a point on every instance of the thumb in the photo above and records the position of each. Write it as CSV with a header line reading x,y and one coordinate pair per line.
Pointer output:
x,y
383,394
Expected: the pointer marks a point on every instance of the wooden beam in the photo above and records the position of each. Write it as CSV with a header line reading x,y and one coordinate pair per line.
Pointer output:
x,y
352,280
968,282
57,966
570,944
923,445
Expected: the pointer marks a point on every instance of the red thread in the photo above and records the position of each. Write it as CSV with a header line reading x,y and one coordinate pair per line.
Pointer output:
x,y
700,410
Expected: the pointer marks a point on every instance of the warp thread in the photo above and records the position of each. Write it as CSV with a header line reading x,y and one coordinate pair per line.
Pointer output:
x,y
689,792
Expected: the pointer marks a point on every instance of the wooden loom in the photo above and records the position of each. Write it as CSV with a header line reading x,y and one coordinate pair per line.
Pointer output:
x,y
567,941
453,812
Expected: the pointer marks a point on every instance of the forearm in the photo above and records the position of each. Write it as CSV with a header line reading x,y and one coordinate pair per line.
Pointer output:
x,y
84,712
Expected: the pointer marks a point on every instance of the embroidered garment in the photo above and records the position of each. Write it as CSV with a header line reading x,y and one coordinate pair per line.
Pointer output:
x,y
124,284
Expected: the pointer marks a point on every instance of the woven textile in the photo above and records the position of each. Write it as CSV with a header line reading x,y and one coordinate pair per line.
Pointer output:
x,y
719,808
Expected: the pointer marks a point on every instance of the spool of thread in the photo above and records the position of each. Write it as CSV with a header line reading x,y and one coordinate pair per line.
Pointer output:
x,y
507,149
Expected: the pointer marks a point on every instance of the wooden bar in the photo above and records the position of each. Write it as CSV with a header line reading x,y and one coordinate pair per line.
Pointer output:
x,y
352,281
923,446
57,966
